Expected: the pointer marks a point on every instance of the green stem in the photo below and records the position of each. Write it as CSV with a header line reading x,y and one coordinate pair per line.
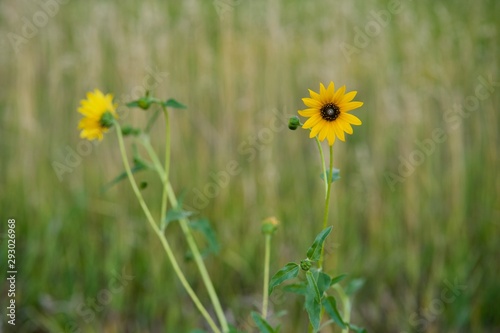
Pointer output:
x,y
346,305
325,177
265,292
327,203
183,222
160,234
167,167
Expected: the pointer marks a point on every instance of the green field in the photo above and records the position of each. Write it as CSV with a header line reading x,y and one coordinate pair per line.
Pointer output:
x,y
416,213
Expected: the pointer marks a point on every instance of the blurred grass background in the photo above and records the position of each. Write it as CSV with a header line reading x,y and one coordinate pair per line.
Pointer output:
x,y
240,66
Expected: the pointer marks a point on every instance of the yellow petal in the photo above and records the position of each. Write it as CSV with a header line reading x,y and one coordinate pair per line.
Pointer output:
x,y
312,121
312,103
346,127
324,131
331,136
328,97
349,106
339,131
350,118
314,95
338,95
316,129
308,112
348,97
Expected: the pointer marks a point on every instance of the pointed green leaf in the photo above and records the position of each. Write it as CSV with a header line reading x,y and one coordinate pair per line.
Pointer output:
x,y
313,308
261,323
335,175
203,225
175,214
323,281
337,279
174,104
357,329
330,305
311,283
354,286
290,271
296,288
123,175
314,251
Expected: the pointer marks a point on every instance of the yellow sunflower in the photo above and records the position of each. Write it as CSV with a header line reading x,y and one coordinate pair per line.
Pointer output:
x,y
328,113
99,112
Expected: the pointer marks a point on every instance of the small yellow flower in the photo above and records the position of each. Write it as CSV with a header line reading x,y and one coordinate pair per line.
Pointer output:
x,y
328,113
99,112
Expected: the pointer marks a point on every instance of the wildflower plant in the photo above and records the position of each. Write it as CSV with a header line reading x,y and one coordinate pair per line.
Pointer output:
x,y
328,118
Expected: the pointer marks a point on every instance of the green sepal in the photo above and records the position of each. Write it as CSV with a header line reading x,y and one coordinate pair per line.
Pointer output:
x,y
289,271
335,175
314,252
173,104
330,305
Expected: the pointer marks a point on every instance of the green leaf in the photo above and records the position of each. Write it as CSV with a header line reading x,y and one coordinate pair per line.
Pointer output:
x,y
324,282
174,104
335,175
311,284
313,308
330,305
296,288
314,251
354,286
290,271
203,225
337,279
123,175
175,214
357,329
261,323
197,330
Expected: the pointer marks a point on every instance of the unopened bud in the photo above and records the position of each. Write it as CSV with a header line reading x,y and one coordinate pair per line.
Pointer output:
x,y
293,123
269,225
305,264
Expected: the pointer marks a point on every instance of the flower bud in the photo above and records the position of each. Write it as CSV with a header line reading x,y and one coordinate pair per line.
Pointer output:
x,y
293,123
107,119
144,102
305,264
269,225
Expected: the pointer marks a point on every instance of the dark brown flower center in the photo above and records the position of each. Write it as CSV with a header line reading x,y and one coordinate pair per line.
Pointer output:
x,y
330,112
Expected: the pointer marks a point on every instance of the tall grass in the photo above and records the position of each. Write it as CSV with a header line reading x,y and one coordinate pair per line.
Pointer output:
x,y
236,74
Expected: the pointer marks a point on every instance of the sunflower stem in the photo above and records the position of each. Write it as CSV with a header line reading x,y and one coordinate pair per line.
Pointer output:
x,y
327,203
161,236
184,223
164,199
325,178
265,292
